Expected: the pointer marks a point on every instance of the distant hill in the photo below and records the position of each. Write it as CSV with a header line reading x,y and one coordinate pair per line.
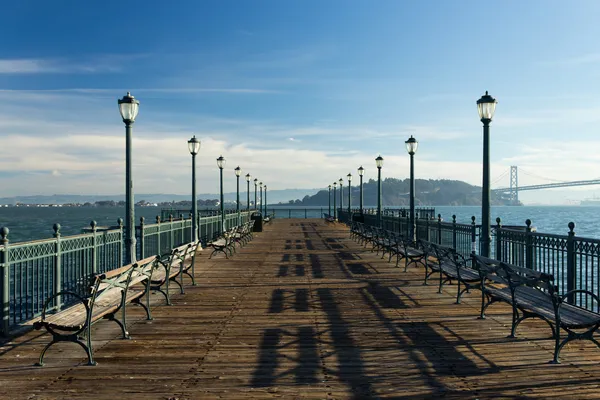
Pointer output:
x,y
273,197
395,192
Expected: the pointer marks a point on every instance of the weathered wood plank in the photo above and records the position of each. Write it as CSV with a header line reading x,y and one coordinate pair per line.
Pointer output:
x,y
302,311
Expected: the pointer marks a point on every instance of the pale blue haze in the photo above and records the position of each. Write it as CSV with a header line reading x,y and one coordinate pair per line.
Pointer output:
x,y
298,93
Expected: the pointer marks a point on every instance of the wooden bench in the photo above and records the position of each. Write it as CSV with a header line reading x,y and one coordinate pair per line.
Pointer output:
x,y
173,266
109,294
223,244
533,294
409,251
243,233
450,266
328,217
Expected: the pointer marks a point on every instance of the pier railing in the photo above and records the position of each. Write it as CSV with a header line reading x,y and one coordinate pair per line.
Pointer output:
x,y
462,237
31,272
34,271
573,261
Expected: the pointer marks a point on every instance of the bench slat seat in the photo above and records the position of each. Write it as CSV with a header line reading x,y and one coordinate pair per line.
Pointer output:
x,y
109,294
450,266
533,294
172,266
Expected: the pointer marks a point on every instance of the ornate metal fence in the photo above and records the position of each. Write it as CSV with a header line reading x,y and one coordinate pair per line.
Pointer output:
x,y
31,272
462,237
573,261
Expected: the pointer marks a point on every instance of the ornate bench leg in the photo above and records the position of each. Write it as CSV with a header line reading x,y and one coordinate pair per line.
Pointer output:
x,y
41,360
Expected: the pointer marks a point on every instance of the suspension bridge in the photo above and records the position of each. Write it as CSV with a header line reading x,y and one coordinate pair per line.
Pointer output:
x,y
513,190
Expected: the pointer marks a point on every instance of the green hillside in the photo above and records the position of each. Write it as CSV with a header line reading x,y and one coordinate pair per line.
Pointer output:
x,y
395,192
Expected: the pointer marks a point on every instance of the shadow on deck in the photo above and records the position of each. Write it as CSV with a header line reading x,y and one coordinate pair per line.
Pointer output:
x,y
304,312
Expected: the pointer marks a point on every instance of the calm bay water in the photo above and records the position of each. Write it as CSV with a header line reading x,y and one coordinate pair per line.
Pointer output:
x,y
31,223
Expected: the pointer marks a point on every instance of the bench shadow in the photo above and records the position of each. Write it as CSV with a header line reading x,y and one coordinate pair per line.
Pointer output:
x,y
316,267
274,342
282,299
384,296
359,269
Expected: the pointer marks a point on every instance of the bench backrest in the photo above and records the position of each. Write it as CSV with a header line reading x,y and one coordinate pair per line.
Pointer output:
x,y
519,276
120,279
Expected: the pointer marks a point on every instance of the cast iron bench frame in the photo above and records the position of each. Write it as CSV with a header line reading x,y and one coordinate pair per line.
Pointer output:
x,y
533,294
109,294
175,264
450,266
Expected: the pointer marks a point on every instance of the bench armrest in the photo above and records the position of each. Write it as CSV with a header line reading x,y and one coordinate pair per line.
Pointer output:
x,y
570,292
37,324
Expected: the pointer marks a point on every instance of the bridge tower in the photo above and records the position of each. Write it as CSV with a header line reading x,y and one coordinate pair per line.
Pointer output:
x,y
514,186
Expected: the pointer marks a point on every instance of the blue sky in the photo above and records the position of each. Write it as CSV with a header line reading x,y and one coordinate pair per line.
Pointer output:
x,y
297,93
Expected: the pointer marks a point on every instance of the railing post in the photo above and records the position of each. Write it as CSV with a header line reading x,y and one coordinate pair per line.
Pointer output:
x,y
439,229
454,232
290,213
498,239
305,213
158,248
5,276
473,236
182,230
121,254
94,248
571,263
528,246
142,240
57,267
427,234
171,233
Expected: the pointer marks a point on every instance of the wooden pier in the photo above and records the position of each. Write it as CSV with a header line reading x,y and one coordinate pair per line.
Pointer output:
x,y
303,311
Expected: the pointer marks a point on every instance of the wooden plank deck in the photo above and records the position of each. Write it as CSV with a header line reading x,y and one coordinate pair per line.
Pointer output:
x,y
304,312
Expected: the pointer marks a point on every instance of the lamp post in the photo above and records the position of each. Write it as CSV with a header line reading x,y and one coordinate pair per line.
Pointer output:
x,y
349,194
129,107
221,164
255,198
341,181
265,200
194,148
411,147
238,172
379,163
261,196
334,206
486,106
248,193
361,172
329,199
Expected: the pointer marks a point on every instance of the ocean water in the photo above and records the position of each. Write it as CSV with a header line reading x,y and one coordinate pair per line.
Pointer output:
x,y
32,223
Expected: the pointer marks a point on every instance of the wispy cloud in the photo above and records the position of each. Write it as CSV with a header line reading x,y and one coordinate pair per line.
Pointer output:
x,y
592,58
109,63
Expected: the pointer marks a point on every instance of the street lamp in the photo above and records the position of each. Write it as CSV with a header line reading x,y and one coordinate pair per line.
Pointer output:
x,y
341,181
379,163
221,164
248,193
486,106
261,197
238,172
349,194
194,148
361,172
255,199
129,107
265,200
334,206
329,200
411,147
